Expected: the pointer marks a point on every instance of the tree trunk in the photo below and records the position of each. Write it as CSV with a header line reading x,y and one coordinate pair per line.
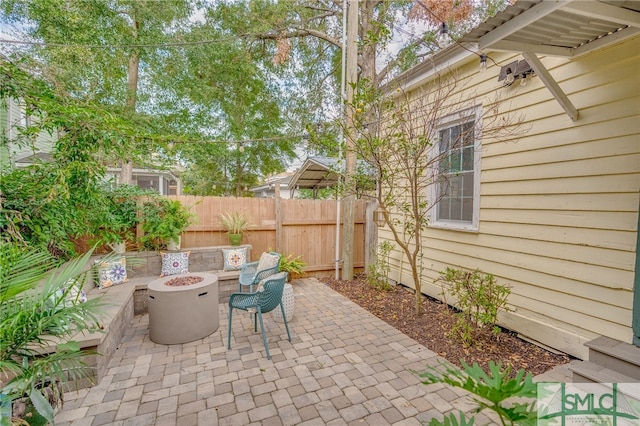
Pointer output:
x,y
126,167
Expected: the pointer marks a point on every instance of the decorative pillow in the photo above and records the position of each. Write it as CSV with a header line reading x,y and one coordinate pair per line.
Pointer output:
x,y
174,263
73,297
76,294
267,261
112,272
234,258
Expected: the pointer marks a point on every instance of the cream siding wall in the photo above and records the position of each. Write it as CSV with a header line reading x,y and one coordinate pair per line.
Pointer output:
x,y
558,204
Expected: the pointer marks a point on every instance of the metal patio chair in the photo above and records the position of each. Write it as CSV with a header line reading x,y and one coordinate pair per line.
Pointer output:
x,y
267,298
254,272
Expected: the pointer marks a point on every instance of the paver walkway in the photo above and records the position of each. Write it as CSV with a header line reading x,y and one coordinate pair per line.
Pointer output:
x,y
343,366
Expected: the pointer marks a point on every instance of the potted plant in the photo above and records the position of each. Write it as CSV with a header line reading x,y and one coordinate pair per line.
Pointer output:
x,y
235,223
163,221
294,266
39,306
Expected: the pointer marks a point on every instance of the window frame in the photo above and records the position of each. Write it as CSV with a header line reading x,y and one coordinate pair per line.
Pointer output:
x,y
446,122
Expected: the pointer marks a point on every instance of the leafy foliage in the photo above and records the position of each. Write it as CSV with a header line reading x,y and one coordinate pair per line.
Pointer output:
x,y
234,222
292,264
163,221
479,298
119,214
496,391
378,272
40,307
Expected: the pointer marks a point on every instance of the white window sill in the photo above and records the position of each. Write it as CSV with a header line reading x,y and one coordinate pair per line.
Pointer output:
x,y
455,226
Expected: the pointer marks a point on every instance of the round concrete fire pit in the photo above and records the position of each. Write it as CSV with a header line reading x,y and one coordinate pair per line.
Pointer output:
x,y
183,308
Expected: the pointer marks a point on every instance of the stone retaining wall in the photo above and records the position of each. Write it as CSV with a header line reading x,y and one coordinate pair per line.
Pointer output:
x,y
123,301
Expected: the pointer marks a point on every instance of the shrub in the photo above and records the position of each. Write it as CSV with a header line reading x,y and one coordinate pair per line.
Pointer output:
x,y
478,297
378,272
40,306
163,221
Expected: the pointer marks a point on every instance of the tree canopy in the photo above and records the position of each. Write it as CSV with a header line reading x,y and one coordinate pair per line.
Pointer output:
x,y
212,74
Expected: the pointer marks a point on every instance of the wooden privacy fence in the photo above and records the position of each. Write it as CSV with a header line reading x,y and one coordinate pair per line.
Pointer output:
x,y
297,227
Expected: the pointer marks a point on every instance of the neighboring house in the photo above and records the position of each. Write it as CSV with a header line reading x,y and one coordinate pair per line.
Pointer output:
x,y
13,117
268,189
553,213
163,181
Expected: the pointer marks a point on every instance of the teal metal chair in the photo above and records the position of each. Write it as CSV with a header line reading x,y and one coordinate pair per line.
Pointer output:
x,y
254,272
267,298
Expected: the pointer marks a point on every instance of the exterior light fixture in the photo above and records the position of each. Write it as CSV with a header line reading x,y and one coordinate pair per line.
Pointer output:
x,y
510,78
378,217
516,69
443,35
241,148
483,62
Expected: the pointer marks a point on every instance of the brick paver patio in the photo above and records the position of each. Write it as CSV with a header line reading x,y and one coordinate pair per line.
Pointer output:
x,y
343,366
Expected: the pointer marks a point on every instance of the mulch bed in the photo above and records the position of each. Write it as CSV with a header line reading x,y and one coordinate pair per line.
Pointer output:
x,y
432,329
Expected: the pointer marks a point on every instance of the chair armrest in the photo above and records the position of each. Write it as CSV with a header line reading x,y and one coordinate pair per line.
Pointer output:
x,y
244,300
249,268
266,273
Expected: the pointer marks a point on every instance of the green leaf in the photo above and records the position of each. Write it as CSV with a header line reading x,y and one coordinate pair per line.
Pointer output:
x,y
452,420
41,405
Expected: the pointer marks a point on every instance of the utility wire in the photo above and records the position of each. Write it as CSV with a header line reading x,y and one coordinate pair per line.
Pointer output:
x,y
454,40
121,46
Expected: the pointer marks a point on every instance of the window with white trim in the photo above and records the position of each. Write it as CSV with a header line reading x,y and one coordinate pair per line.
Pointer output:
x,y
458,184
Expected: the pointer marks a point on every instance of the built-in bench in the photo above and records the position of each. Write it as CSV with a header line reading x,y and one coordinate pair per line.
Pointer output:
x,y
123,301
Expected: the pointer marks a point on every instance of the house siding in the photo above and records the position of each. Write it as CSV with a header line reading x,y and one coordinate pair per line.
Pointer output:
x,y
4,149
11,116
558,203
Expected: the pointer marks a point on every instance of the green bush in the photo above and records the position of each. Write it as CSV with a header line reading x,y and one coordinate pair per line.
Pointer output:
x,y
119,216
478,297
378,272
40,304
163,220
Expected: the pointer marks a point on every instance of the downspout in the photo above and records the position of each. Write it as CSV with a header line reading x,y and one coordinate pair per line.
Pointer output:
x,y
337,259
636,289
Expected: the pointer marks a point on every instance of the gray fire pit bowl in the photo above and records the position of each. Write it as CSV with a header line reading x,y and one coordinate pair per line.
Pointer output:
x,y
181,314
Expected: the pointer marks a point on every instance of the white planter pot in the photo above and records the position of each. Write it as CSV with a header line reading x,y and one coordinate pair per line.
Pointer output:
x,y
119,248
173,245
289,303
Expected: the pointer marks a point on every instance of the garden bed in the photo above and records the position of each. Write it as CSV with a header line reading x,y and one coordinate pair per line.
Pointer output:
x,y
432,329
